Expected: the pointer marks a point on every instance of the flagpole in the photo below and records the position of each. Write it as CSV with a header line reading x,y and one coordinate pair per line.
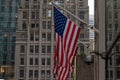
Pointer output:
x,y
75,16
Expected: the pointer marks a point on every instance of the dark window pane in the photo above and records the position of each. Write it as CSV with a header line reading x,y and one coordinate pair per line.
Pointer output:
x,y
43,48
36,49
31,61
22,49
21,73
36,61
24,25
42,73
25,15
49,25
48,61
43,61
31,48
81,15
36,73
22,61
30,73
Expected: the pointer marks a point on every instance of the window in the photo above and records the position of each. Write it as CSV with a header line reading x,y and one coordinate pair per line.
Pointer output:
x,y
36,48
21,61
48,73
30,73
26,5
43,61
82,25
33,15
36,73
118,73
81,15
2,9
37,15
24,26
31,48
22,49
22,73
111,74
115,14
10,9
116,26
36,61
31,61
117,48
37,25
43,48
25,15
110,61
42,73
48,36
43,36
31,36
36,35
44,25
44,2
81,35
81,48
48,61
32,25
49,13
49,25
118,60
48,49
44,13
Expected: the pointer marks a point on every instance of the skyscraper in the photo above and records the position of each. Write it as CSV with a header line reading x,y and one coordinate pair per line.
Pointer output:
x,y
107,21
35,37
8,25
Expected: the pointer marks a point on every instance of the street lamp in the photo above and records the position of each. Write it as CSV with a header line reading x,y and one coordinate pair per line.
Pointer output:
x,y
89,59
106,55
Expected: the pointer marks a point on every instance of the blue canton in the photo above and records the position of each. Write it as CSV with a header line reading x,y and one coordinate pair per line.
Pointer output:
x,y
60,22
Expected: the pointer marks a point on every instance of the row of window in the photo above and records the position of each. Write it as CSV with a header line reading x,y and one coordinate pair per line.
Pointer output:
x,y
10,9
34,36
111,73
35,61
35,49
45,25
35,15
35,73
117,60
44,48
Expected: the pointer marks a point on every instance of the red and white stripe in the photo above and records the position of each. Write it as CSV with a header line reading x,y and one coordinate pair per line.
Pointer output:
x,y
66,50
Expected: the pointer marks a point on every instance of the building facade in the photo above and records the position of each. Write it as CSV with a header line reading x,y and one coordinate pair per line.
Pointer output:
x,y
8,25
112,11
35,37
85,71
107,22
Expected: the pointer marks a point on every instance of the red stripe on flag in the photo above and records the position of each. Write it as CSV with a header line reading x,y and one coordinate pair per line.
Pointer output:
x,y
67,32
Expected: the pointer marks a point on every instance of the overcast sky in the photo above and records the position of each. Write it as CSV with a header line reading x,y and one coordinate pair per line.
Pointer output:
x,y
91,6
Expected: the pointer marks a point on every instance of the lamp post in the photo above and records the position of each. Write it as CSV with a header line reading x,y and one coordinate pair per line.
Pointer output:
x,y
107,54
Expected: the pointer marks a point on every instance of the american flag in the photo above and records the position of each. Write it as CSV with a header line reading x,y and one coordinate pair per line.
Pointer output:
x,y
67,34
